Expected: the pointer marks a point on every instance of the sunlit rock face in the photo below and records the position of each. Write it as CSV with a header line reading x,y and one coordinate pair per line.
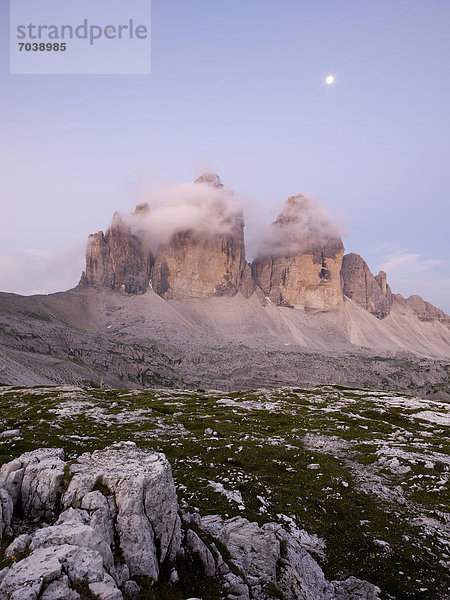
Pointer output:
x,y
208,260
301,263
369,292
199,264
119,259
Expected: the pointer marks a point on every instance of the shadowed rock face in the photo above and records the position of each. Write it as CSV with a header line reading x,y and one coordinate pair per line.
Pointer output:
x,y
119,259
369,292
194,264
300,271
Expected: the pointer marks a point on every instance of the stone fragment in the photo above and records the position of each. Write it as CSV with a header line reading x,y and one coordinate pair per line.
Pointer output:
x,y
6,511
131,589
197,547
18,546
60,590
355,589
74,534
35,479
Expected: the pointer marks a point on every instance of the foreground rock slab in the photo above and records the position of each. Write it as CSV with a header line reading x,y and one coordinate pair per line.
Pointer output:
x,y
119,502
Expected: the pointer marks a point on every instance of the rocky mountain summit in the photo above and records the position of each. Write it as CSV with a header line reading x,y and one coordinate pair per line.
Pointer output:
x,y
300,265
169,299
107,525
424,311
369,292
119,259
193,263
298,269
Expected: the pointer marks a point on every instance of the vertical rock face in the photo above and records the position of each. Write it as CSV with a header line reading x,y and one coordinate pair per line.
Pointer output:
x,y
198,264
301,265
369,292
194,263
119,259
130,527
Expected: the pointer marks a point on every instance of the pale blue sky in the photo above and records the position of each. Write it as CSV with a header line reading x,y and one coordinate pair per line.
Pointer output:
x,y
237,87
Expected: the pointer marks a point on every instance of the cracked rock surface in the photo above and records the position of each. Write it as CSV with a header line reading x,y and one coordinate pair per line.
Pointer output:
x,y
134,517
267,562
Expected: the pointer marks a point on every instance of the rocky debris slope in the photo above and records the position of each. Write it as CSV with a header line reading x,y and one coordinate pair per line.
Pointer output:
x,y
96,337
369,292
114,516
300,265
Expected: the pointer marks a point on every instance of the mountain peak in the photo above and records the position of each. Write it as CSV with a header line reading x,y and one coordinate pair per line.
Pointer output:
x,y
292,210
142,209
211,179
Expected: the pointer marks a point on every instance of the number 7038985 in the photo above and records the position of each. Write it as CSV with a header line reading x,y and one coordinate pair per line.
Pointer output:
x,y
43,47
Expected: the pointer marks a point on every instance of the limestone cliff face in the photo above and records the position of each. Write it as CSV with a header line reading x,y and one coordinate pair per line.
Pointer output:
x,y
423,310
192,264
369,292
198,264
300,265
119,259
300,271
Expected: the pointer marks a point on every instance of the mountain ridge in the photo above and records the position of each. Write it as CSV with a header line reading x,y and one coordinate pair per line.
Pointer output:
x,y
191,311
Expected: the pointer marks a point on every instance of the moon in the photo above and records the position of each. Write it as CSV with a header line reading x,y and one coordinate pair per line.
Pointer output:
x,y
330,79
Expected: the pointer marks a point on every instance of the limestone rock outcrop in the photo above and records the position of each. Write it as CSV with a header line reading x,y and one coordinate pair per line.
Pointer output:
x,y
199,264
196,249
301,266
119,259
267,562
193,263
32,484
119,520
369,292
145,502
423,310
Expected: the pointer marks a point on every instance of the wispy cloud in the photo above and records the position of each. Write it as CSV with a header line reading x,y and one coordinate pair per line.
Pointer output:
x,y
409,263
36,271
